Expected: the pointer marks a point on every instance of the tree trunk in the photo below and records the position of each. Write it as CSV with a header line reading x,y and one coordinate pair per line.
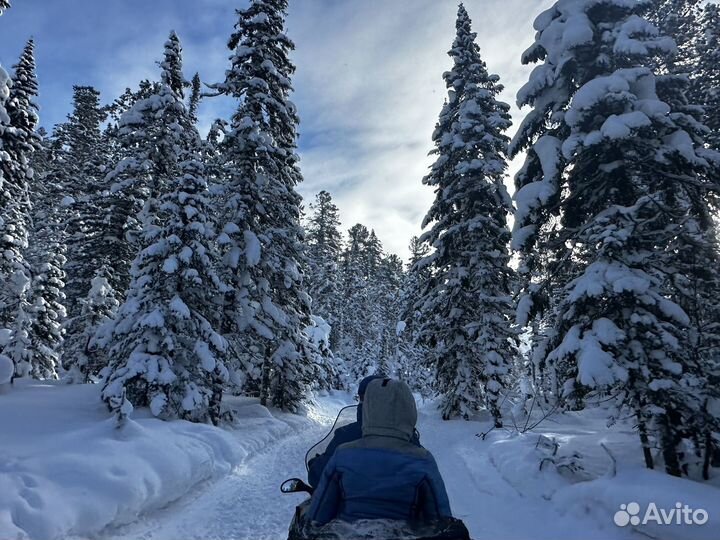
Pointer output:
x,y
670,441
709,449
645,441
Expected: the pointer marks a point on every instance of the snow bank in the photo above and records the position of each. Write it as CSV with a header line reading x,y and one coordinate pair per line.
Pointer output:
x,y
557,482
7,369
66,469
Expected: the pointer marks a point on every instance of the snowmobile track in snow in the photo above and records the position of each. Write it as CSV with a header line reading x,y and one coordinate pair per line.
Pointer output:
x,y
245,505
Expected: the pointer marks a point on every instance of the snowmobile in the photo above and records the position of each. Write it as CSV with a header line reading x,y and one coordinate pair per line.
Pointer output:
x,y
367,529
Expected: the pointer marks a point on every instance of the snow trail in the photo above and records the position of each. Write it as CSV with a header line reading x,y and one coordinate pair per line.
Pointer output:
x,y
247,504
494,486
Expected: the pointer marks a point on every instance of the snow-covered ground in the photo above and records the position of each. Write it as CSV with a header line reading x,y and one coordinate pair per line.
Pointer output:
x,y
66,471
497,486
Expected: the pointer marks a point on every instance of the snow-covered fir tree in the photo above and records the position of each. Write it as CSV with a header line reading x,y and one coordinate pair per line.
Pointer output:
x,y
154,133
613,177
466,303
679,20
262,236
84,193
195,96
705,86
323,256
165,352
83,359
5,268
48,314
46,252
387,311
328,375
357,341
411,365
4,4
19,141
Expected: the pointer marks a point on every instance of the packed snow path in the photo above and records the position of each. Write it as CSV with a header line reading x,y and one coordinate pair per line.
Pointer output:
x,y
245,505
248,503
495,486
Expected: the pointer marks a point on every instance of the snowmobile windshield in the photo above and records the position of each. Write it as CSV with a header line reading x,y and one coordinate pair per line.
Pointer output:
x,y
347,415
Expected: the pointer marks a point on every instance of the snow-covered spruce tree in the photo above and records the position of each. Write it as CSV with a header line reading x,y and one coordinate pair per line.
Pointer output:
x,y
165,353
7,365
84,193
5,84
154,134
48,313
195,97
19,140
678,19
263,237
323,258
83,359
46,253
705,85
328,375
212,155
38,332
357,342
387,307
612,178
46,198
411,365
466,306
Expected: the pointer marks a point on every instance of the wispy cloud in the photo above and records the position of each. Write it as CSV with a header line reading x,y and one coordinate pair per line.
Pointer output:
x,y
368,86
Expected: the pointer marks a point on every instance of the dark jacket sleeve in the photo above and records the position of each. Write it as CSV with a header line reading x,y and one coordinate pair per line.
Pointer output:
x,y
327,497
433,496
317,464
315,468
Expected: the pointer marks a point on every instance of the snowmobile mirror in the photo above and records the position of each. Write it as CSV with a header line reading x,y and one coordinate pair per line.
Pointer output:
x,y
295,485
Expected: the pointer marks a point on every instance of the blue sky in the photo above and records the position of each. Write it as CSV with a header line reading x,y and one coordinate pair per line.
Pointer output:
x,y
368,86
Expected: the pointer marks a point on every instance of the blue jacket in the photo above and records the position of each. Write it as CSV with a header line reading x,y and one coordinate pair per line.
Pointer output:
x,y
345,434
383,475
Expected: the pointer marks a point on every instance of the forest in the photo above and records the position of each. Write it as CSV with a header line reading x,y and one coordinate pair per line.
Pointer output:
x,y
175,270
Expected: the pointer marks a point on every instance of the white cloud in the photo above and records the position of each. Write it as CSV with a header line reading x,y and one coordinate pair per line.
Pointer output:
x,y
369,88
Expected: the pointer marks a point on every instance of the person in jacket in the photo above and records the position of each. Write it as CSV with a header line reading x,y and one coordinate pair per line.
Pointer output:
x,y
383,475
342,435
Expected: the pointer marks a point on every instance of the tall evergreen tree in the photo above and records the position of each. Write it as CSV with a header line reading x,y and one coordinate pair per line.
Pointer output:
x,y
412,367
466,304
85,193
324,246
48,313
705,87
150,157
679,20
83,360
165,352
19,141
624,173
171,66
195,97
387,305
357,343
263,237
